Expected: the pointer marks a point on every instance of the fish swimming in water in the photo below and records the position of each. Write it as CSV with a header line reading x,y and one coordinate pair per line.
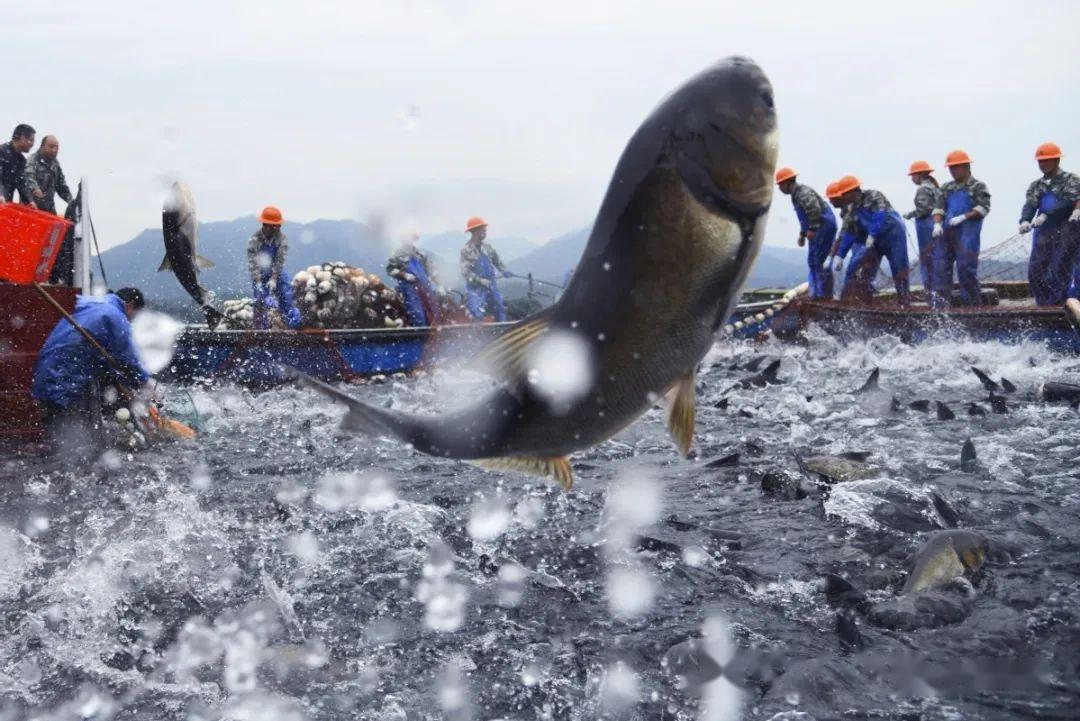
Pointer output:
x,y
180,229
675,238
948,555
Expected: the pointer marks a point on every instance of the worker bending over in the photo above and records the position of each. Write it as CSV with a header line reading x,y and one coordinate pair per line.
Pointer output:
x,y
270,288
817,225
933,255
873,217
958,217
415,282
70,373
1052,212
481,267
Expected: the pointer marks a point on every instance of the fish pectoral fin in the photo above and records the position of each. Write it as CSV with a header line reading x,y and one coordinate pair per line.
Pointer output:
x,y
504,357
557,467
681,412
165,264
203,263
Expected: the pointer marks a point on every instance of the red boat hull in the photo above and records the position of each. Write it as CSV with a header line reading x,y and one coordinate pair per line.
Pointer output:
x,y
26,323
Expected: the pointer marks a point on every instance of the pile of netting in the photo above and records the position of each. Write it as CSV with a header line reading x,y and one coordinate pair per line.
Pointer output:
x,y
331,295
335,295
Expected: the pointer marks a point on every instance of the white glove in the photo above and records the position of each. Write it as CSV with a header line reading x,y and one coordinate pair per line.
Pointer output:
x,y
271,285
485,282
956,220
1039,220
409,277
937,231
1075,217
1025,227
838,264
870,241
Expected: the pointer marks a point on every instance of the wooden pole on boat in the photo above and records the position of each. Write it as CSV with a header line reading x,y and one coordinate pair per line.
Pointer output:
x,y
162,423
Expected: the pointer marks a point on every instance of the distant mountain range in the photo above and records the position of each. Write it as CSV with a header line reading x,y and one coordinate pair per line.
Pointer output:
x,y
135,262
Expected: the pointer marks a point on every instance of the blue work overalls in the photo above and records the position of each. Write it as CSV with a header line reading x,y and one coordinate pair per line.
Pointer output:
x,y
481,301
820,278
890,242
1053,264
421,300
962,246
280,299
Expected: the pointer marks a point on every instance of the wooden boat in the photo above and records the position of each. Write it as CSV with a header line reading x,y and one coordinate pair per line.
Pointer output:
x,y
1008,315
264,357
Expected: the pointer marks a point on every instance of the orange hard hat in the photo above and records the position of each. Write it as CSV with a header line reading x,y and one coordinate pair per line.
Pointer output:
x,y
784,174
957,157
270,216
920,166
1047,151
475,222
846,184
830,190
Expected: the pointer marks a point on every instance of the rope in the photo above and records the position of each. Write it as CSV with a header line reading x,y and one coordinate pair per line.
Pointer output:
x,y
759,318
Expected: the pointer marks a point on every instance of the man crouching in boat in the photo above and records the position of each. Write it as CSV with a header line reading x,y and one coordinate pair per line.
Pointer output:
x,y
415,282
270,288
70,372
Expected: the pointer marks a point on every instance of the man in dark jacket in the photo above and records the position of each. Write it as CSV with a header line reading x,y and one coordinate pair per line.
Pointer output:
x,y
13,166
70,372
45,177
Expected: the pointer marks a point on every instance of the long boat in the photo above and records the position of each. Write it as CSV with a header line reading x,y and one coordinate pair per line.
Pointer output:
x,y
1007,314
267,357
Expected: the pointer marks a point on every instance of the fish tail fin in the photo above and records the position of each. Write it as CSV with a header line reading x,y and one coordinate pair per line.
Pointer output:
x,y
363,418
165,264
204,263
557,468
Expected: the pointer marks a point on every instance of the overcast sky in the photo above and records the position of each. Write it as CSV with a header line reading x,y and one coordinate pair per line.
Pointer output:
x,y
424,113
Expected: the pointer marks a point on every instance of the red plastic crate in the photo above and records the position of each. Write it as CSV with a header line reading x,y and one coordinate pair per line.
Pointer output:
x,y
29,242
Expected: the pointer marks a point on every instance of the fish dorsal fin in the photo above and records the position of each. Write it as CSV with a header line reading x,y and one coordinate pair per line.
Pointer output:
x,y
203,263
504,357
681,412
555,467
165,265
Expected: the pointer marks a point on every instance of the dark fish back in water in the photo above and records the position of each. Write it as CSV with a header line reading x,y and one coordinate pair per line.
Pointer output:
x,y
943,412
967,456
987,382
871,383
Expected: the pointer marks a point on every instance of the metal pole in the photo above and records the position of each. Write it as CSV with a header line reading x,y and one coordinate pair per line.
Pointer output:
x,y
82,276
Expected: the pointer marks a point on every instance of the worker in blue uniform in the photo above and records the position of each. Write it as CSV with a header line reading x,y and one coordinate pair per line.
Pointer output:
x,y
481,268
874,219
416,283
270,288
958,218
70,372
1052,214
934,258
817,226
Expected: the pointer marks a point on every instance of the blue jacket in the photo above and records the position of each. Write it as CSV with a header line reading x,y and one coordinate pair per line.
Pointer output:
x,y
67,363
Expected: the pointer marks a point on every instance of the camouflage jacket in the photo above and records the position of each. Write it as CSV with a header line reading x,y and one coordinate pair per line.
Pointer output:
x,y
1066,186
398,264
927,197
13,174
813,206
277,246
47,176
980,194
470,255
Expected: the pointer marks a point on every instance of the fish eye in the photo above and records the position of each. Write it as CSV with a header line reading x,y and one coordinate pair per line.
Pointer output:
x,y
767,98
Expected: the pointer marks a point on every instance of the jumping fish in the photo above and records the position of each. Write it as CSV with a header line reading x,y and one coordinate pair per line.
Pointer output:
x,y
676,235
180,229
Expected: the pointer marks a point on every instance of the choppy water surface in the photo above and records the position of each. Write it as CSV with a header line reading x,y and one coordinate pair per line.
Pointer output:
x,y
280,571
